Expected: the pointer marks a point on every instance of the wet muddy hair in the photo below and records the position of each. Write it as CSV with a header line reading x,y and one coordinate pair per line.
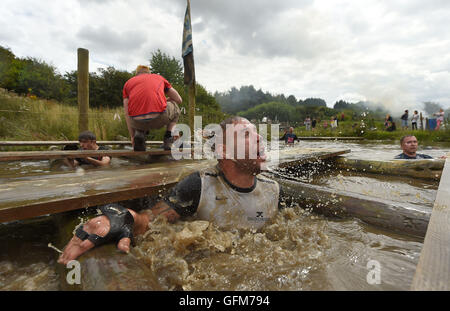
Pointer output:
x,y
223,126
86,135
230,120
403,138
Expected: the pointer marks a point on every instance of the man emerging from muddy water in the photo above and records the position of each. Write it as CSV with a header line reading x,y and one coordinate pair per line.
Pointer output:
x,y
231,195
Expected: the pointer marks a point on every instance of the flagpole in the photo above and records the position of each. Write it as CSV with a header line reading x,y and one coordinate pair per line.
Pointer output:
x,y
189,69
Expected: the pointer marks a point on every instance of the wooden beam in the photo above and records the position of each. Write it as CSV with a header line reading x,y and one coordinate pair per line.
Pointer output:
x,y
44,155
405,218
21,199
71,142
433,269
329,138
424,169
26,197
299,156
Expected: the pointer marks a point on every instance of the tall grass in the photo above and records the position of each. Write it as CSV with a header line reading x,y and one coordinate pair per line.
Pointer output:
x,y
23,118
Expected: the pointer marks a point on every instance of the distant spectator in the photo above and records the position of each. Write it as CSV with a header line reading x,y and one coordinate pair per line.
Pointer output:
x,y
414,119
289,137
342,116
313,124
308,123
389,124
333,122
404,118
440,118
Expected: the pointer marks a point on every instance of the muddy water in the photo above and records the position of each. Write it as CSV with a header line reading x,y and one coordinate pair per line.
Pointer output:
x,y
296,251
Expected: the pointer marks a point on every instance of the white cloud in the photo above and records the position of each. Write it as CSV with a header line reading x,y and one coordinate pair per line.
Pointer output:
x,y
395,52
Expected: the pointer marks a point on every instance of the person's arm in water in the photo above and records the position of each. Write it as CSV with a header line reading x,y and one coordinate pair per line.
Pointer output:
x,y
103,162
127,119
182,201
173,95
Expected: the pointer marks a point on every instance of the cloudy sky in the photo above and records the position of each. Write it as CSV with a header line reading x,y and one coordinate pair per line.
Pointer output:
x,y
393,52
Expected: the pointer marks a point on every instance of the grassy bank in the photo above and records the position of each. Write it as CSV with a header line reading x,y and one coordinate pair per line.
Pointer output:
x,y
376,132
23,118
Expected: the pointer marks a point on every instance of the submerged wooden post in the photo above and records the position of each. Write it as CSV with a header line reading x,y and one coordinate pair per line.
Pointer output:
x,y
83,89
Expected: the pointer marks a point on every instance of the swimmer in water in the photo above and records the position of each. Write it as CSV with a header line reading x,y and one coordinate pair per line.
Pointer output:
x,y
409,146
289,137
232,195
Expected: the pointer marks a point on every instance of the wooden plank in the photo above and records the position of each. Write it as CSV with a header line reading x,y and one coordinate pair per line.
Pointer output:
x,y
70,142
41,195
425,169
402,217
32,196
292,156
329,138
433,269
44,155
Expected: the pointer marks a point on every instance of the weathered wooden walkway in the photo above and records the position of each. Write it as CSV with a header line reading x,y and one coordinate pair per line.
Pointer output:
x,y
45,155
433,269
71,142
330,138
32,196
425,169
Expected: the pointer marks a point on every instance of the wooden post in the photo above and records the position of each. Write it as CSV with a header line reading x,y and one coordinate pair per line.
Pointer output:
x,y
83,89
421,121
426,123
189,68
191,94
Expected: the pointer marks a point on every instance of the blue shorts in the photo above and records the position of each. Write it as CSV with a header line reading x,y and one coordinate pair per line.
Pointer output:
x,y
405,123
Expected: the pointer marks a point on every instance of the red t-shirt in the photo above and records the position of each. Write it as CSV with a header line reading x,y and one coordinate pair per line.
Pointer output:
x,y
146,94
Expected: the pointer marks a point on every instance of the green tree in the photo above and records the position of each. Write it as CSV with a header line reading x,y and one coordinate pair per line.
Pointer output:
x,y
41,79
168,67
273,110
9,69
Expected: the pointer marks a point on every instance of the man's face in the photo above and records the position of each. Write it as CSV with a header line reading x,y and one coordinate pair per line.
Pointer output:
x,y
410,145
248,148
87,144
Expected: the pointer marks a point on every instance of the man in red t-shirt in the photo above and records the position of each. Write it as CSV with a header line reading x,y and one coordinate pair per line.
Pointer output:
x,y
146,106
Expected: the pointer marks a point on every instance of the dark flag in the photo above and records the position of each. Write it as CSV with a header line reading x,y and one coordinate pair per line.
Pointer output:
x,y
187,49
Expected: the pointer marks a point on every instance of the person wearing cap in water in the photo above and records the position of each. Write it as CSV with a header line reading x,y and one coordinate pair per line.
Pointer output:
x,y
146,106
88,141
231,195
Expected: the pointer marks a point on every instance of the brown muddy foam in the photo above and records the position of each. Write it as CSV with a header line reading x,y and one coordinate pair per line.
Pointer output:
x,y
197,255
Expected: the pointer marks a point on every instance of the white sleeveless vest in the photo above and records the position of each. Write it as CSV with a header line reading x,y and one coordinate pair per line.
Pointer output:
x,y
229,208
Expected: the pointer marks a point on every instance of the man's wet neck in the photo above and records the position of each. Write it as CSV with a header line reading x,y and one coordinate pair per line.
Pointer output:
x,y
238,178
410,154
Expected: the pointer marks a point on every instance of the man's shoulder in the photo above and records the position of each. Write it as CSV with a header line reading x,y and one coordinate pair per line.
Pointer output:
x,y
423,156
402,156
